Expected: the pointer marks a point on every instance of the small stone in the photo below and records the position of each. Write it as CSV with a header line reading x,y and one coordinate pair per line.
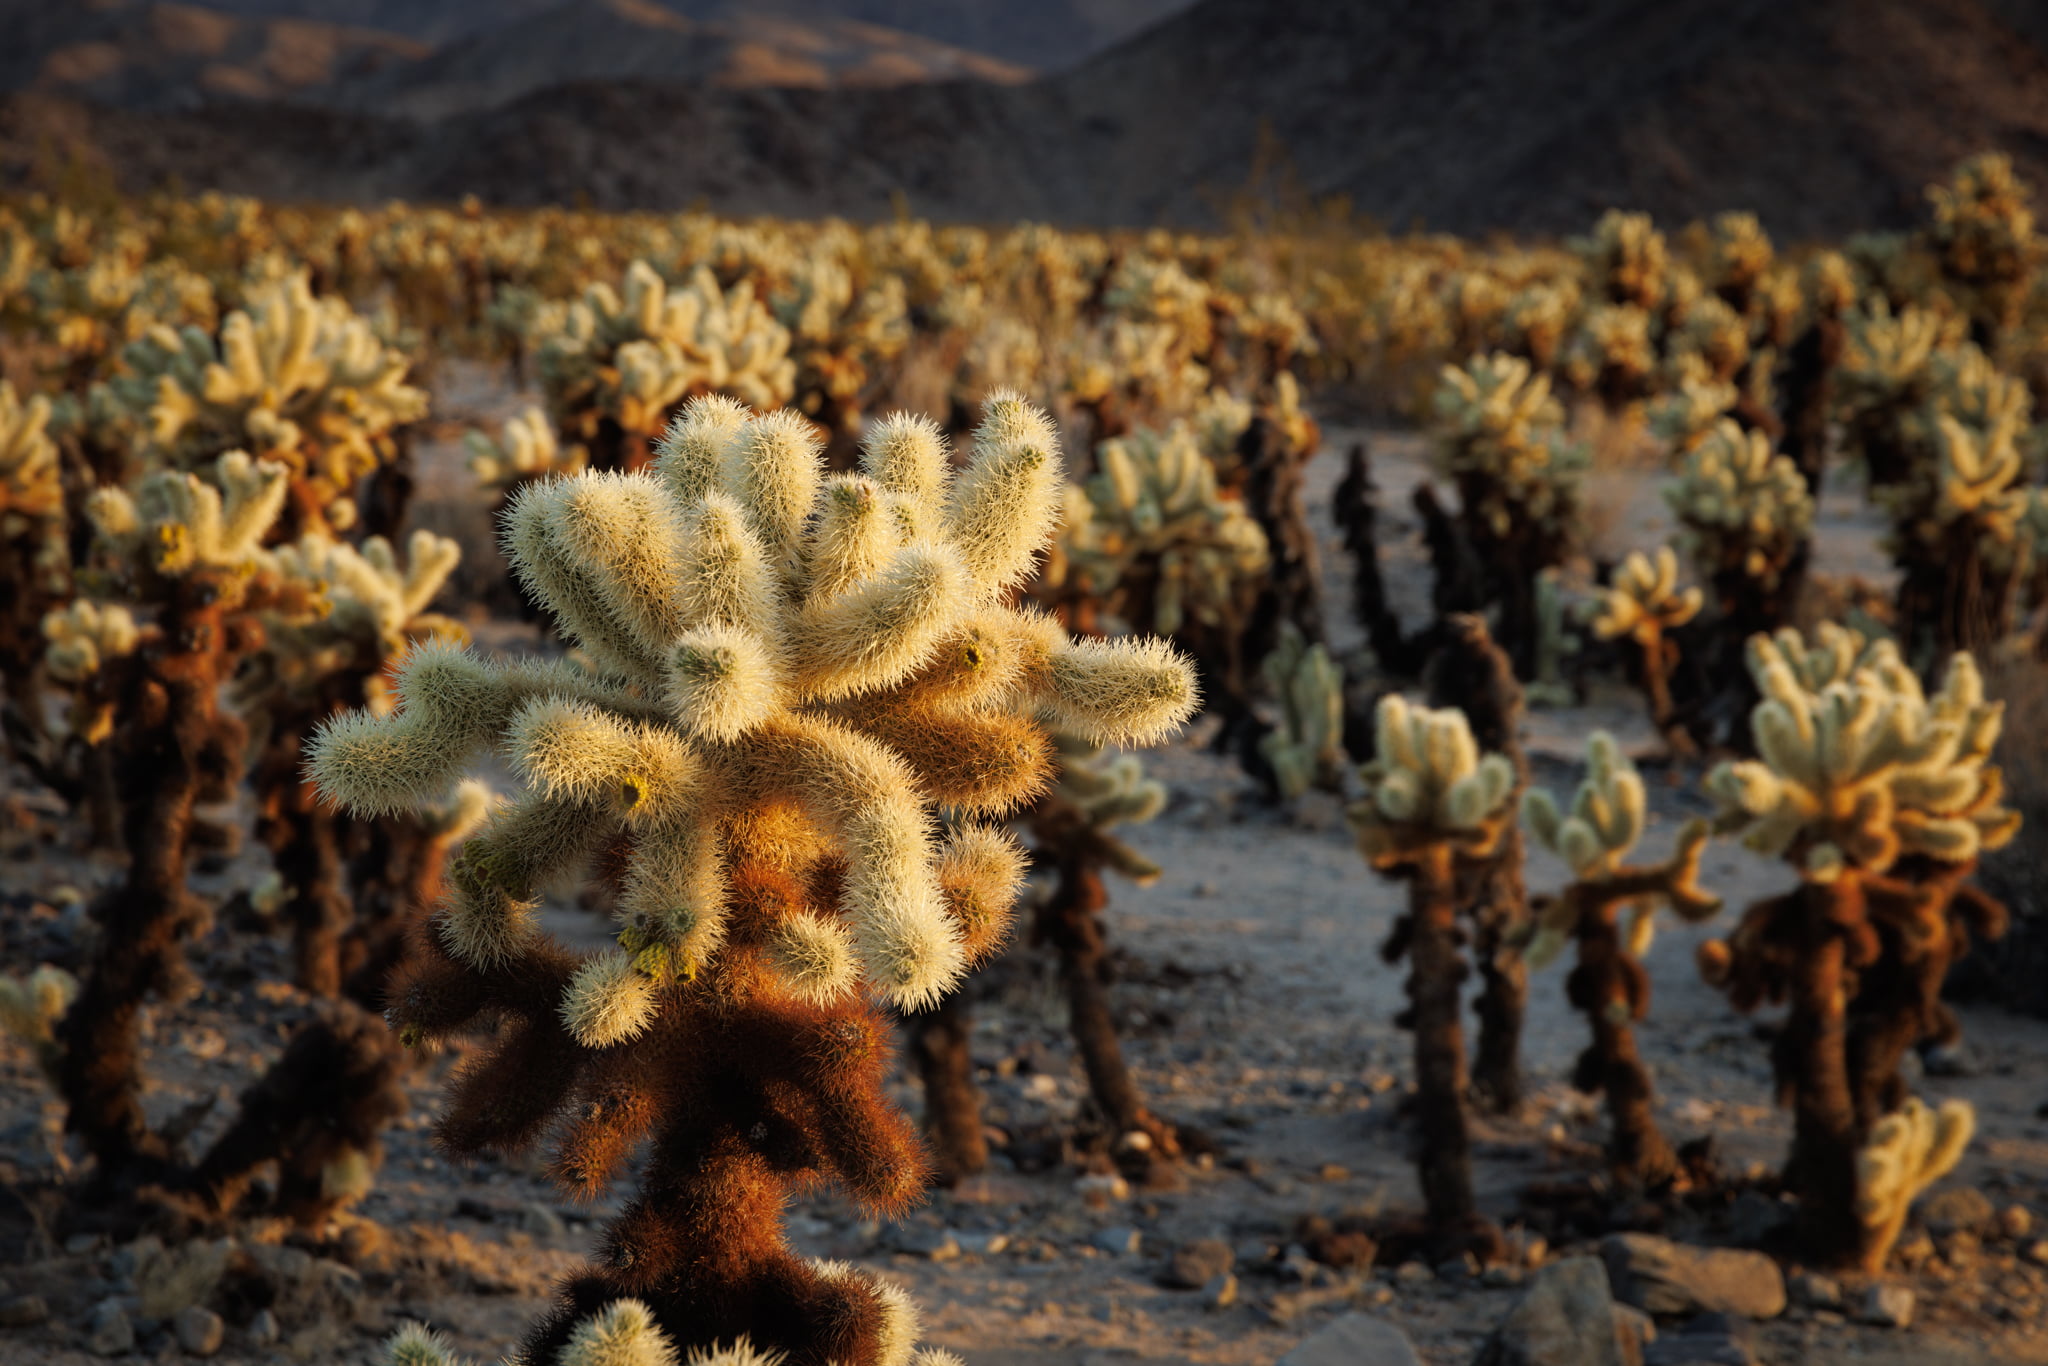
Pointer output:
x,y
2037,1252
1502,1277
1962,1249
108,1332
1914,1251
2015,1222
1121,1241
200,1331
1334,1171
1220,1292
1887,1306
1634,1331
1814,1290
1355,1340
542,1222
933,1244
1194,1264
23,1311
1665,1278
1959,1209
1531,1250
263,1329
1099,1191
1413,1273
1459,1269
1297,1265
982,1244
1707,1340
1567,1317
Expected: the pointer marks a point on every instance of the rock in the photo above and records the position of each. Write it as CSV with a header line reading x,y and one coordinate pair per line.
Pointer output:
x,y
1887,1306
1634,1331
541,1221
1296,1265
1413,1273
1914,1250
108,1332
1815,1291
1707,1340
1333,1172
2015,1222
1459,1269
2037,1253
982,1244
168,1280
1755,1216
1950,1060
200,1331
1120,1241
1958,1209
1664,1278
23,1311
1194,1264
1354,1340
1220,1291
1567,1317
918,1240
1502,1277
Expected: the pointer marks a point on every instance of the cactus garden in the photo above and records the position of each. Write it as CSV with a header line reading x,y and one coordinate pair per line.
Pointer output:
x,y
643,788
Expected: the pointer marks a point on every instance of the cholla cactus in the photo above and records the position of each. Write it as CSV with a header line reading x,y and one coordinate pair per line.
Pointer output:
x,y
1498,435
1611,355
1740,259
525,450
1626,259
299,381
1907,1152
1743,514
354,613
1956,530
33,560
1983,235
1152,544
616,364
1609,985
1432,798
1883,797
31,1007
1307,748
1644,605
1073,827
786,674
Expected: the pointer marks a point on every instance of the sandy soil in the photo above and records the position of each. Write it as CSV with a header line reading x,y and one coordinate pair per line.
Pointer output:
x,y
1257,1010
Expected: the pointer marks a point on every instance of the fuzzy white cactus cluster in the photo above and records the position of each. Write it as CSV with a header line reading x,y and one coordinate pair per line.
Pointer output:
x,y
1907,1151
1427,782
31,491
294,378
80,637
1644,601
175,523
1740,505
777,659
1858,764
1594,836
636,352
525,448
624,1333
1497,424
1307,748
368,605
1154,501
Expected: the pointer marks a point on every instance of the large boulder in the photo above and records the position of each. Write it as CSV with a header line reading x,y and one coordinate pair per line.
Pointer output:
x,y
1567,1317
1676,1280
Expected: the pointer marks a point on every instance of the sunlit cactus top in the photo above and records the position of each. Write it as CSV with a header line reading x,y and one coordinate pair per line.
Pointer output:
x,y
1858,765
779,666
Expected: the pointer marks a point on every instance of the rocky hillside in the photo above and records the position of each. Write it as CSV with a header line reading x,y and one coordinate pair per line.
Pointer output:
x,y
1823,115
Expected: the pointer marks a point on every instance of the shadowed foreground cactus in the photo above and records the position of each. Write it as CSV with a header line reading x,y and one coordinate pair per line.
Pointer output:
x,y
1609,984
1883,798
1431,800
787,673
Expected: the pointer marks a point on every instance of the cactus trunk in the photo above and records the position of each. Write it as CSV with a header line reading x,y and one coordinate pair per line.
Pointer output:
x,y
1435,973
1814,1054
179,738
1637,1153
952,1103
1071,921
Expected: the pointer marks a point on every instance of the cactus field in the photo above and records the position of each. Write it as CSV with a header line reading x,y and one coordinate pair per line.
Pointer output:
x,y
632,789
